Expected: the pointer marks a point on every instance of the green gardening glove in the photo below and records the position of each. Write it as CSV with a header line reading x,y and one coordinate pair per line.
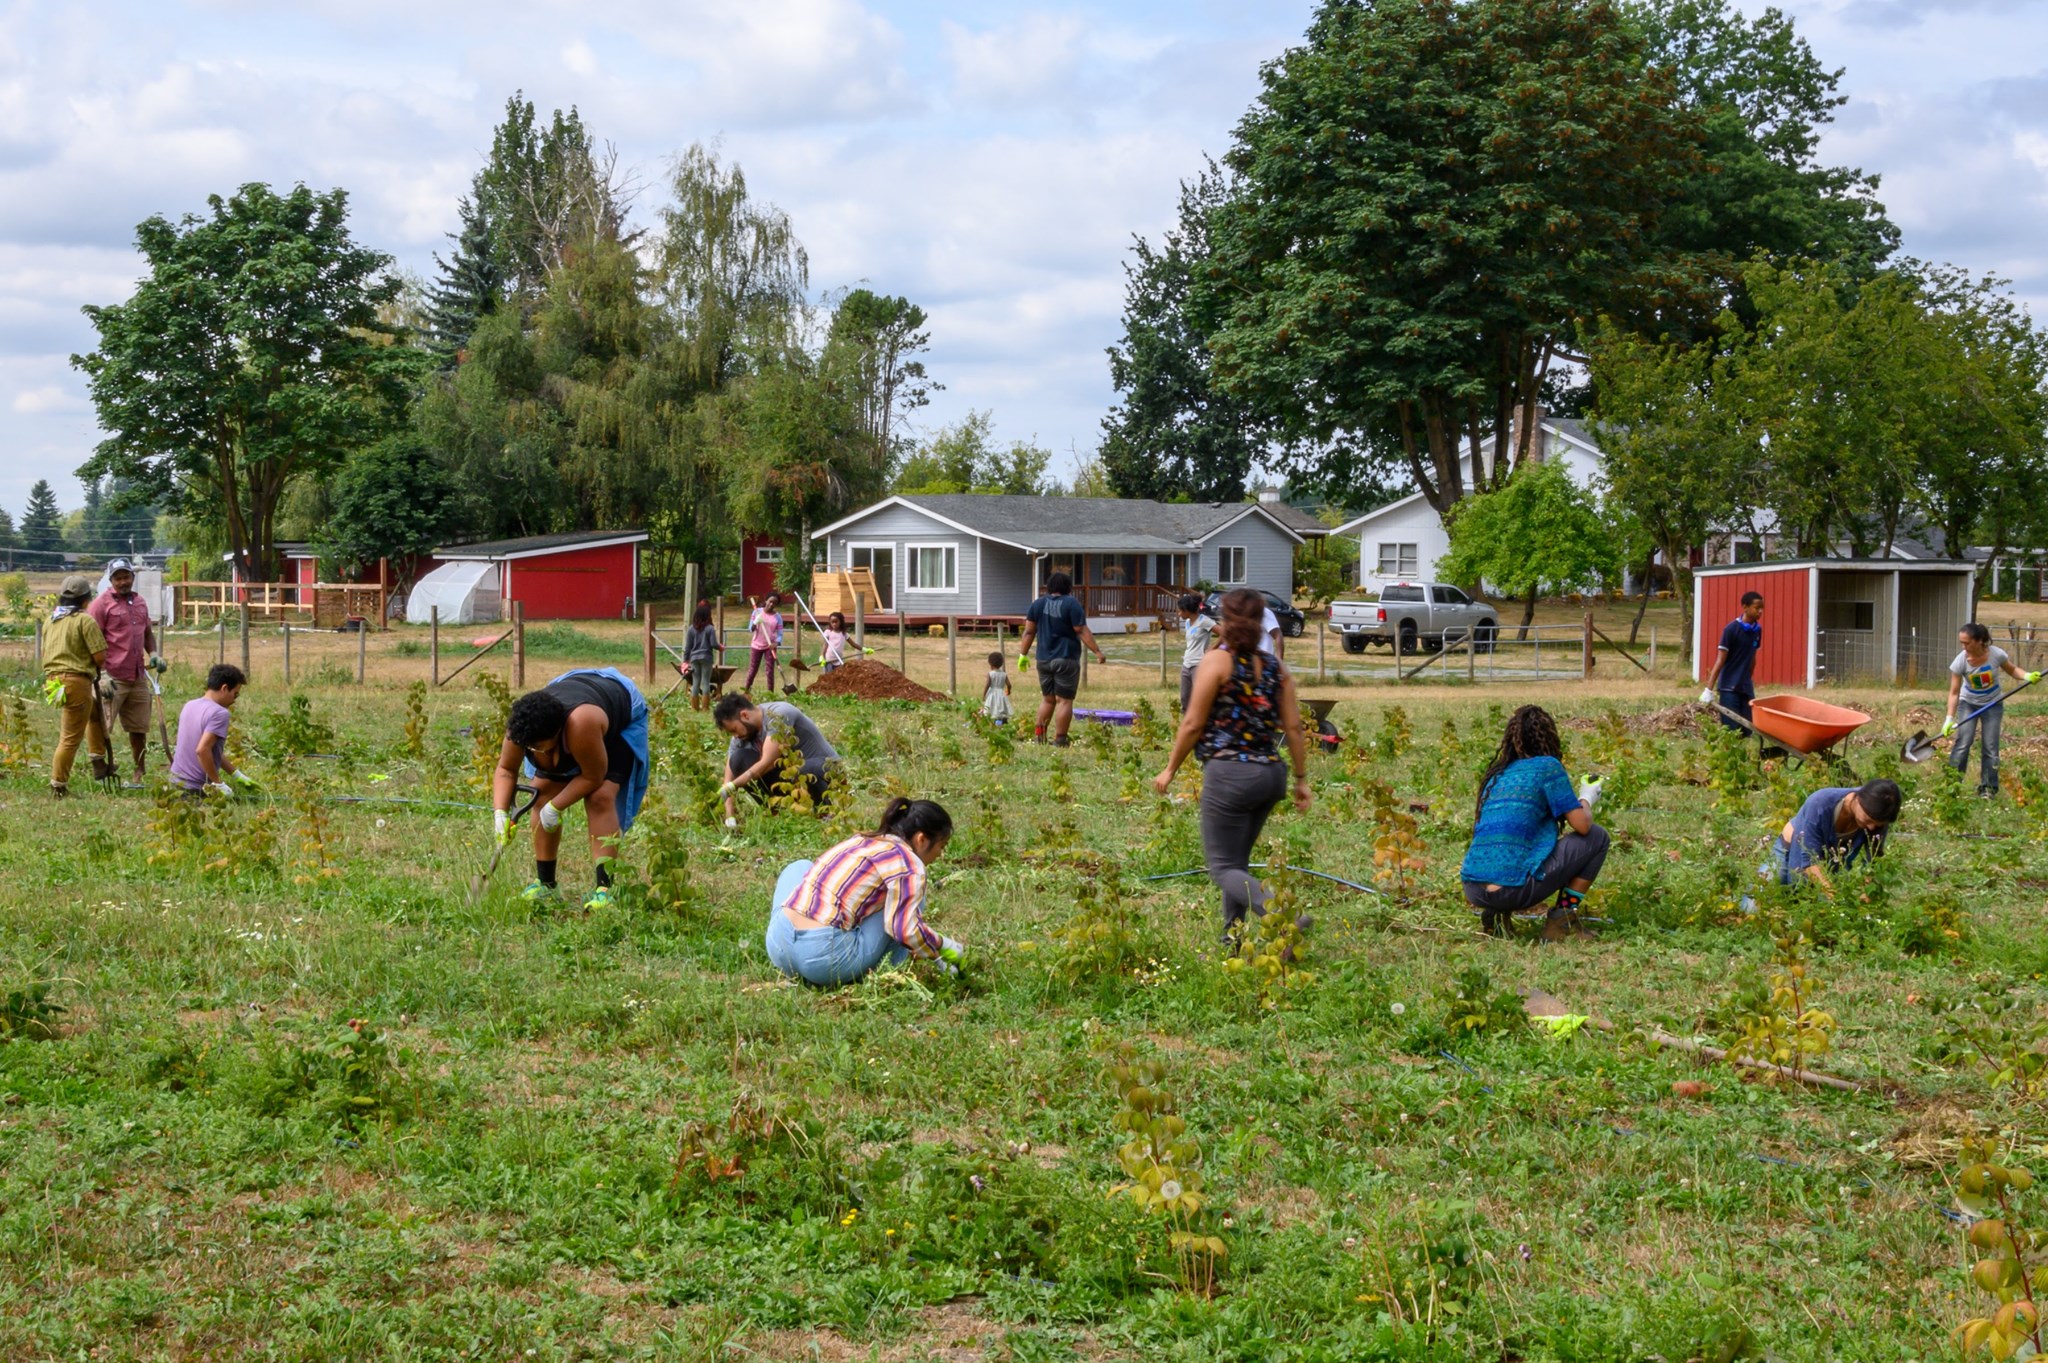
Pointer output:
x,y
2033,677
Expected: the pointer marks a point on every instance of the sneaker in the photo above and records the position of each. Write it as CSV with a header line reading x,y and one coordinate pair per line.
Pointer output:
x,y
600,898
537,893
59,790
102,769
1061,742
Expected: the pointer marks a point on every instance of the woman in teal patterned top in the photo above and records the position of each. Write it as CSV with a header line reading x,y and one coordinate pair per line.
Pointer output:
x,y
1517,858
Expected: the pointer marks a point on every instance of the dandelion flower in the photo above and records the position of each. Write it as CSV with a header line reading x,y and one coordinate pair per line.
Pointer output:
x,y
1170,1189
1397,1009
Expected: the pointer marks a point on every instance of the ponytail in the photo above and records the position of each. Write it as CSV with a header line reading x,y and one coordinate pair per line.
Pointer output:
x,y
905,818
1243,612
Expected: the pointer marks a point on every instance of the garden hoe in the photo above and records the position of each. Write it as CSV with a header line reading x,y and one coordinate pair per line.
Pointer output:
x,y
1920,747
478,882
163,733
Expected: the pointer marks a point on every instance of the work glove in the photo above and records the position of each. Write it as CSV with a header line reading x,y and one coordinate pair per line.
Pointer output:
x,y
1948,726
242,778
222,789
1707,696
950,955
1023,662
105,686
550,818
1589,792
157,664
501,826
2033,677
53,691
726,791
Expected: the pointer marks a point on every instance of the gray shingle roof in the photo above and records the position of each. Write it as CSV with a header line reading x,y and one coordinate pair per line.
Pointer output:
x,y
1297,520
1085,523
535,543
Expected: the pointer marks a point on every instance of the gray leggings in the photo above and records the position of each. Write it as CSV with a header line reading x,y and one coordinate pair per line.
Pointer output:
x,y
1981,729
1236,798
1577,856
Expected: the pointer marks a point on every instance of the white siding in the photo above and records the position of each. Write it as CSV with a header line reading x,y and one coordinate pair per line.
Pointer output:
x,y
1416,523
1269,555
901,526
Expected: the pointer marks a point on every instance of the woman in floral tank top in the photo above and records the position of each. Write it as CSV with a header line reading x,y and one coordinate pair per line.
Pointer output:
x,y
1241,705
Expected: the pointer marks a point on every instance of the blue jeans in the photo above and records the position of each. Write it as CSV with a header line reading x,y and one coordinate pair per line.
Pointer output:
x,y
1738,701
1982,729
826,956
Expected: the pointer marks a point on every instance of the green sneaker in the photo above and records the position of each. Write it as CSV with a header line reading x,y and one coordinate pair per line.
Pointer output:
x,y
600,898
537,893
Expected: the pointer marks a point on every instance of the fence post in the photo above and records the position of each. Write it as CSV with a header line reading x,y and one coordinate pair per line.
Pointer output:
x,y
39,644
220,629
1322,653
902,641
690,581
647,641
1653,650
1586,648
1537,651
243,607
362,650
287,655
953,655
1162,653
518,645
1471,646
434,643
860,621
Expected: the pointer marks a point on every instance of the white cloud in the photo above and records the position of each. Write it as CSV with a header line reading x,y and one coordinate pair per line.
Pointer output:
x,y
578,57
48,398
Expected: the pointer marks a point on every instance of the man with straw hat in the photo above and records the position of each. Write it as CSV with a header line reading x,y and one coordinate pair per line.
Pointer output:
x,y
74,651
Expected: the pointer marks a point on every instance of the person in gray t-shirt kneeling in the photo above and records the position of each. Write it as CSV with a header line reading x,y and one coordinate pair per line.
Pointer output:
x,y
761,734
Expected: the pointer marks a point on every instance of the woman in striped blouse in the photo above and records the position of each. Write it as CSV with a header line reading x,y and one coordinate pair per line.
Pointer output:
x,y
834,919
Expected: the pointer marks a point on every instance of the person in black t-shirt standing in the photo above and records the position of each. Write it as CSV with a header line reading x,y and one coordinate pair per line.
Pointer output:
x,y
1731,679
1059,625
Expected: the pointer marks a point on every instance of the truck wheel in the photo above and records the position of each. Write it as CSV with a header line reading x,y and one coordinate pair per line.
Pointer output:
x,y
1482,637
1353,643
1407,639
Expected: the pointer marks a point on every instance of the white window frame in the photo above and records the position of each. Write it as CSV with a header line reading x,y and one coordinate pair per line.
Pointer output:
x,y
1244,565
913,551
767,553
895,565
1407,558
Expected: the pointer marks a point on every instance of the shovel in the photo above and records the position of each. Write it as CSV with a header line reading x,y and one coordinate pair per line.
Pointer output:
x,y
1920,747
163,734
477,882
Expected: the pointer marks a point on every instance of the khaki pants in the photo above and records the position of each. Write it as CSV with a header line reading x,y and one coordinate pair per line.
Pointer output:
x,y
81,720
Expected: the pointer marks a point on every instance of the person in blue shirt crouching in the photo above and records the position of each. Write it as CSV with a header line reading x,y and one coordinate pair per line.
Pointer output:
x,y
1518,857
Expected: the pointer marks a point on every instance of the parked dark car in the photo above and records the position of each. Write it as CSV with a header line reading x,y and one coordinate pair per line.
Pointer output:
x,y
1292,621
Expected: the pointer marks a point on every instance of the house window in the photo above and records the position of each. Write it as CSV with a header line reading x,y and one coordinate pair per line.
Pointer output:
x,y
767,553
1399,560
932,567
1230,565
1848,616
1748,551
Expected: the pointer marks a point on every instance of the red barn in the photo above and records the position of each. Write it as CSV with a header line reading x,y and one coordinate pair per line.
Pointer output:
x,y
760,565
589,575
1844,620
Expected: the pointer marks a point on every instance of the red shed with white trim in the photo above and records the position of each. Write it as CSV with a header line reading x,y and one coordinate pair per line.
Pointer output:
x,y
760,564
1844,620
588,575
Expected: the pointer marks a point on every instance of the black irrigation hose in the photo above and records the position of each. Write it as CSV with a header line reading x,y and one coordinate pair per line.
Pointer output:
x,y
1260,866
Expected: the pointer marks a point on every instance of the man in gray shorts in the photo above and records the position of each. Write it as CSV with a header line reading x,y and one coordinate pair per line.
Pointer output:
x,y
1059,625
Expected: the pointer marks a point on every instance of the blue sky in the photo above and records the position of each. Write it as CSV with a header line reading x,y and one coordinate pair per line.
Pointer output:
x,y
990,162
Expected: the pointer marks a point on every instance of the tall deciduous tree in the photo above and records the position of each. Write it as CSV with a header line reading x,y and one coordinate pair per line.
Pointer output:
x,y
731,274
393,500
1174,432
250,355
963,458
872,351
40,530
1433,195
1538,535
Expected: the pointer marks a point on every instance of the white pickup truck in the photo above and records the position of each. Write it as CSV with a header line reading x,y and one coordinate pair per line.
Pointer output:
x,y
1414,615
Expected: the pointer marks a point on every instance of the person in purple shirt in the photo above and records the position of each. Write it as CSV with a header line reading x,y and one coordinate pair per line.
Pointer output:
x,y
199,759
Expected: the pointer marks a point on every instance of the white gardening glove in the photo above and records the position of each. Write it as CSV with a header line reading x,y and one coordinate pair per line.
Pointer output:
x,y
501,826
725,792
732,823
221,788
550,818
243,778
1589,792
1707,696
949,955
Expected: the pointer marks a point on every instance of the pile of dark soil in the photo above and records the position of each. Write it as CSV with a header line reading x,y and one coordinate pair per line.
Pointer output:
x,y
866,679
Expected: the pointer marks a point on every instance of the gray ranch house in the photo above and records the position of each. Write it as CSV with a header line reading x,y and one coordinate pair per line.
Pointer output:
x,y
987,557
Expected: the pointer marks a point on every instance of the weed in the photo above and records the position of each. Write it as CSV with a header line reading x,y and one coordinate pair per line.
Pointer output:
x,y
1474,1007
1162,1166
2010,1263
19,750
1949,802
1935,923
348,1075
1395,735
1060,785
950,751
177,825
415,728
1101,939
1274,952
293,731
29,1013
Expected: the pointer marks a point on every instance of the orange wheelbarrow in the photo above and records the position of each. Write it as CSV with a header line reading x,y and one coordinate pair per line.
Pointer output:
x,y
1802,726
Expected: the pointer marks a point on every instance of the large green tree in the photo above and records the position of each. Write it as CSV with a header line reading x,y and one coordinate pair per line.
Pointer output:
x,y
251,354
964,457
872,353
469,285
1174,433
41,533
393,500
1537,535
1432,196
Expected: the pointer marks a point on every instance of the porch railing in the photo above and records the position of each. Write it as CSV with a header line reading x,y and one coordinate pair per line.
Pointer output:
x,y
1138,598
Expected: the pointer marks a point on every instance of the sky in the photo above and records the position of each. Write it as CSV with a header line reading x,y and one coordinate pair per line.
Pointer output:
x,y
990,162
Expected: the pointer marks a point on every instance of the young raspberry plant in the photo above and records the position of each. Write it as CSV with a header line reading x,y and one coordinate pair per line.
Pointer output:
x,y
2011,1266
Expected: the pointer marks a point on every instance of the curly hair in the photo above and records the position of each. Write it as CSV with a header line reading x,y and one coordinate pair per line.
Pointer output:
x,y
1531,733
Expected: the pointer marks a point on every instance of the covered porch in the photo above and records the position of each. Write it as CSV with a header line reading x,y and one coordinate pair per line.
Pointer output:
x,y
1122,590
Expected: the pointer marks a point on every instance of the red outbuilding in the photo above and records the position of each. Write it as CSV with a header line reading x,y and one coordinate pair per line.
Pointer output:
x,y
760,564
1843,620
590,575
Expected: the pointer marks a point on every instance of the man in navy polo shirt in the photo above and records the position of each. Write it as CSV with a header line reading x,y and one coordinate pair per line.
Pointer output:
x,y
1730,679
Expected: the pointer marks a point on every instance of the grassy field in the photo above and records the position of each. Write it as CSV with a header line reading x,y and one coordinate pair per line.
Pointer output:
x,y
303,1102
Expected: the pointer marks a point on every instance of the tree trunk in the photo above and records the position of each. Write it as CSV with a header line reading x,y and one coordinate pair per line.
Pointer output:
x,y
1643,606
1528,613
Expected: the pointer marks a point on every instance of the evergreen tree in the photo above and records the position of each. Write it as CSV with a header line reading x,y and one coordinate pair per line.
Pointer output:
x,y
469,288
40,531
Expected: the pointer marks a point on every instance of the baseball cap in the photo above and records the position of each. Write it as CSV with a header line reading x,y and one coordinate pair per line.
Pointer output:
x,y
119,565
76,587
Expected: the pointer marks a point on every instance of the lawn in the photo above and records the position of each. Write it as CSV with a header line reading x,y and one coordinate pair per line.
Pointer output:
x,y
303,1101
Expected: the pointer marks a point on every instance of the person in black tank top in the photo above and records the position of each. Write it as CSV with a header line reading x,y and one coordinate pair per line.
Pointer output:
x,y
572,733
